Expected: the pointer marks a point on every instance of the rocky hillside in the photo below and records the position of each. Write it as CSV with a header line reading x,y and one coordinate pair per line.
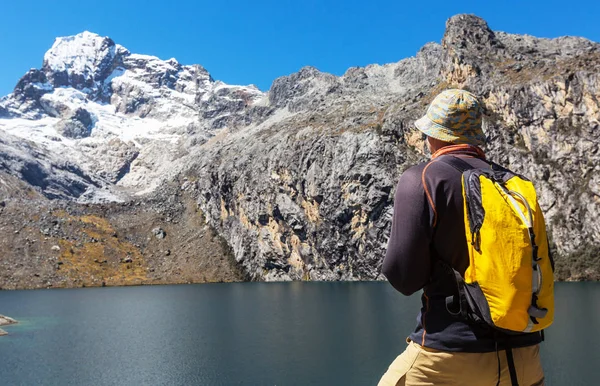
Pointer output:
x,y
298,181
58,243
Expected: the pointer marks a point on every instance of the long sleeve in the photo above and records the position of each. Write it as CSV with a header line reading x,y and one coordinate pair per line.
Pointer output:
x,y
407,263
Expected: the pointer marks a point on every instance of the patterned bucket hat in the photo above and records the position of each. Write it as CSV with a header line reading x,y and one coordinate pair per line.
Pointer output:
x,y
454,116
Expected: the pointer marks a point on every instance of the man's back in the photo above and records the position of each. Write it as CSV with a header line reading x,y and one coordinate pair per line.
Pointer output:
x,y
427,241
429,223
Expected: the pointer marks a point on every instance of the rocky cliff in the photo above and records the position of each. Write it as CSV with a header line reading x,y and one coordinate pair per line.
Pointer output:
x,y
308,195
299,181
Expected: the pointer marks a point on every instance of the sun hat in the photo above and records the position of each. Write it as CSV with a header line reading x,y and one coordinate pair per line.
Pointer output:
x,y
454,116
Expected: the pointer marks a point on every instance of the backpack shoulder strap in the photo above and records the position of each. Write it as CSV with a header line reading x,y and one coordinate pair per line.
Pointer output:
x,y
457,163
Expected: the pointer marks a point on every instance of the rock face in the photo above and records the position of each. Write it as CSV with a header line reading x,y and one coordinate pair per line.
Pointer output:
x,y
60,243
299,181
309,196
77,125
40,167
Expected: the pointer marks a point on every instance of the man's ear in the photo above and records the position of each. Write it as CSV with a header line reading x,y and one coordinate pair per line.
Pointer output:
x,y
426,148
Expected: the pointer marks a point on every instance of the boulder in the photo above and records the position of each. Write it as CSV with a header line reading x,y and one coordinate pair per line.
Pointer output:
x,y
5,320
159,233
78,125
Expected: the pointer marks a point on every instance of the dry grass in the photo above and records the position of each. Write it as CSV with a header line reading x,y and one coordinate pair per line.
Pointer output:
x,y
104,259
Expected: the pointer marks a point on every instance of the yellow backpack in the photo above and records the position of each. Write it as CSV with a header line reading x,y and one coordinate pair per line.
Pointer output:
x,y
509,283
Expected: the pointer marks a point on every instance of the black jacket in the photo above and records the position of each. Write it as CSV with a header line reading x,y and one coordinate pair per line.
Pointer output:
x,y
428,225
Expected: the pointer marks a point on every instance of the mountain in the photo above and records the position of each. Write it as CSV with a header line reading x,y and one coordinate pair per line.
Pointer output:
x,y
116,117
298,182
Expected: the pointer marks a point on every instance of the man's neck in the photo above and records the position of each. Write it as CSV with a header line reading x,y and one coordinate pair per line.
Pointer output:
x,y
471,150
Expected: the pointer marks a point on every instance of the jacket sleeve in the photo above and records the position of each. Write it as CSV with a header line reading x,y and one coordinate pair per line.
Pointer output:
x,y
407,263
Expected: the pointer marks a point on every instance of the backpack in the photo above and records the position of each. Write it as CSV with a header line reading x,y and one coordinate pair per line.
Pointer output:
x,y
509,284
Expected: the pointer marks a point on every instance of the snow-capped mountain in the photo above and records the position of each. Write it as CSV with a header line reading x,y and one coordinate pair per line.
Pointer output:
x,y
299,181
118,117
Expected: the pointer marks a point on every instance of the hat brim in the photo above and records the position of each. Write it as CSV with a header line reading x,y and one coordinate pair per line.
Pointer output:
x,y
435,130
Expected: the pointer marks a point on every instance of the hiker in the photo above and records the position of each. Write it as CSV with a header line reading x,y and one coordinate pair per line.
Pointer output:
x,y
429,241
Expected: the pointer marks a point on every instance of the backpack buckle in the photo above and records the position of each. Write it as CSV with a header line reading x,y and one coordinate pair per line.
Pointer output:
x,y
538,313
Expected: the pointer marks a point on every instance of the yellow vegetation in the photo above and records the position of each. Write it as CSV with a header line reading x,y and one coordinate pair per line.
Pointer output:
x,y
243,218
103,259
311,209
98,222
357,224
224,212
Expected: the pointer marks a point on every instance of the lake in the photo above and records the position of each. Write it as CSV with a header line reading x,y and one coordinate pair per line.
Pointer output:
x,y
247,334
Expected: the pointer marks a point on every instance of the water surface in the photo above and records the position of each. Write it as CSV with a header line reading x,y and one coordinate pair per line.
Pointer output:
x,y
247,334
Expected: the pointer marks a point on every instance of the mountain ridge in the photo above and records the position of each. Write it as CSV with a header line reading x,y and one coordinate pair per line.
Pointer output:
x,y
299,180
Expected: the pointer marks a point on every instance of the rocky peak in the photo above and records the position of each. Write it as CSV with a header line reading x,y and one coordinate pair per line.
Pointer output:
x,y
169,73
293,90
142,85
82,60
96,105
469,31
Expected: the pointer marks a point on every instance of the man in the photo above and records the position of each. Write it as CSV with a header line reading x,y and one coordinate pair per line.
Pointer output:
x,y
428,227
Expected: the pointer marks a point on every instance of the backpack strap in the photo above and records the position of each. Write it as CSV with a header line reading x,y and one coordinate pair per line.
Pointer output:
x,y
457,163
511,364
456,305
510,360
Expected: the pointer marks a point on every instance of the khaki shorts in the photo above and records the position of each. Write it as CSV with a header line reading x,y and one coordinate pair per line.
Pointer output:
x,y
424,366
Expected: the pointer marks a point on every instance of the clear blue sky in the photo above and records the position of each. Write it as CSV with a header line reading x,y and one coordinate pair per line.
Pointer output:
x,y
243,42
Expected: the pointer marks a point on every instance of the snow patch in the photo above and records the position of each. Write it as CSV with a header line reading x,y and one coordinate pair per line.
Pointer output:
x,y
43,86
79,54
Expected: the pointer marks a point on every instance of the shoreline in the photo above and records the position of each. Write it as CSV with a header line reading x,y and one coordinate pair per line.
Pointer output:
x,y
165,283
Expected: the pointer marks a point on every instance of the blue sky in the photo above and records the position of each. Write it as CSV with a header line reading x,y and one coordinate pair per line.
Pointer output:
x,y
244,42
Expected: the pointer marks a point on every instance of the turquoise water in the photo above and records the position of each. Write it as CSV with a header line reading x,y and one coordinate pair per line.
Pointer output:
x,y
247,334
